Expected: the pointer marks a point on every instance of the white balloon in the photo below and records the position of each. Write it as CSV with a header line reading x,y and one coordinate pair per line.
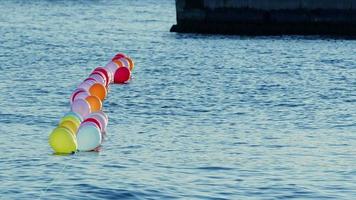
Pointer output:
x,y
88,137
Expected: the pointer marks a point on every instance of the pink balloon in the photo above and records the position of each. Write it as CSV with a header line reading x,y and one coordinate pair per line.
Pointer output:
x,y
111,68
125,62
75,93
100,118
82,107
98,78
81,95
86,84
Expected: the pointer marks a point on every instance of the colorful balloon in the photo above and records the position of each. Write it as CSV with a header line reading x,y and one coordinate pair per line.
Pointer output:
x,y
62,141
124,61
101,118
81,95
97,122
100,74
70,125
86,84
82,107
119,63
74,93
111,68
98,78
118,56
88,138
131,62
122,75
71,117
95,103
98,90
105,72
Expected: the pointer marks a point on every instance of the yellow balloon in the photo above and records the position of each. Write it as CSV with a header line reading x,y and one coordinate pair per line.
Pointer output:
x,y
62,141
71,125
70,118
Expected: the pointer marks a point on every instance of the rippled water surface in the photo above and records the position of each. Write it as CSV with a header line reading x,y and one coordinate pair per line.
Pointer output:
x,y
205,117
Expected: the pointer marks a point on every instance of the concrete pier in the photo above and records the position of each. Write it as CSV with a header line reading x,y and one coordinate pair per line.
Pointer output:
x,y
267,17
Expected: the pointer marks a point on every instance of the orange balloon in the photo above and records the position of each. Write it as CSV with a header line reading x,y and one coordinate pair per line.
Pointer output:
x,y
95,103
131,63
98,90
119,63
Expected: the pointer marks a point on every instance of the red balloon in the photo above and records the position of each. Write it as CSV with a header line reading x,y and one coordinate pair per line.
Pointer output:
x,y
105,73
118,56
94,121
122,75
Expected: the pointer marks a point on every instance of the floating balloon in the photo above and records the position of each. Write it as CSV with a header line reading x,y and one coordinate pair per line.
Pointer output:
x,y
75,118
70,125
97,122
95,103
131,62
62,141
85,126
100,74
81,95
119,63
124,62
88,138
98,90
118,56
82,107
105,72
98,79
74,93
122,75
86,84
101,118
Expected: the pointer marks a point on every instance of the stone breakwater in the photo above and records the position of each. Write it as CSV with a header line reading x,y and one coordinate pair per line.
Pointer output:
x,y
266,17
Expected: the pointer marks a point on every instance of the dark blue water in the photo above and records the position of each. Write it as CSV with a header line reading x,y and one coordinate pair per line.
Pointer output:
x,y
205,117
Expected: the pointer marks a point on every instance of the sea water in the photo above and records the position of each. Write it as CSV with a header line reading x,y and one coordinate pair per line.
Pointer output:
x,y
204,117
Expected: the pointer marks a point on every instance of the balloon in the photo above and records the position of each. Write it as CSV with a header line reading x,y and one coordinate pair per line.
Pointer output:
x,y
111,68
62,141
103,114
125,62
101,118
98,90
73,118
81,95
88,138
119,63
86,84
105,72
82,107
100,74
76,91
97,122
98,78
76,115
122,75
118,56
131,62
95,103
89,123
70,125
